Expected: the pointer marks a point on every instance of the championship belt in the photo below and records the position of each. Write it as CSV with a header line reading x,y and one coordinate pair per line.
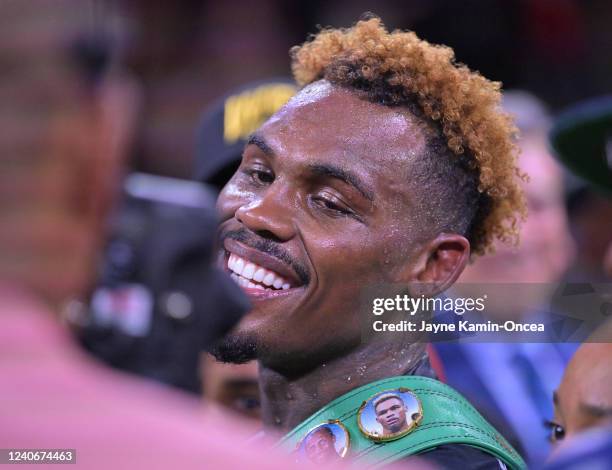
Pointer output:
x,y
394,418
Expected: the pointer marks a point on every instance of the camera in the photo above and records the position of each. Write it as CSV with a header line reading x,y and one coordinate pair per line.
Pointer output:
x,y
160,299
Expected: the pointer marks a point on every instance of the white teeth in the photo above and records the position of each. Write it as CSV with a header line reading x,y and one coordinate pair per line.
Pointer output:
x,y
268,280
238,266
244,270
259,275
248,271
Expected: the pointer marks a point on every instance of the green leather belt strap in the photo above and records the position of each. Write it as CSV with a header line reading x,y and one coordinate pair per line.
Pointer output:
x,y
448,418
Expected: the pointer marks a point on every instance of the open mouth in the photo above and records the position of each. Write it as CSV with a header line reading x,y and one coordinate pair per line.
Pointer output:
x,y
259,274
252,276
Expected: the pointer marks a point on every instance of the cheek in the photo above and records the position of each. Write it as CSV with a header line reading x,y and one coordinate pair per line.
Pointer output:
x,y
232,197
349,267
348,258
358,255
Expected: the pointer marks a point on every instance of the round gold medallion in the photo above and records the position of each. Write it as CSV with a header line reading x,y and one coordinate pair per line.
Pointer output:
x,y
390,414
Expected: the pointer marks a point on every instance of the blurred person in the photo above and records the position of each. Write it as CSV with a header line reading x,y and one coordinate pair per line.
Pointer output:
x,y
56,192
223,131
233,386
69,173
584,397
590,216
378,170
520,372
56,397
582,425
581,141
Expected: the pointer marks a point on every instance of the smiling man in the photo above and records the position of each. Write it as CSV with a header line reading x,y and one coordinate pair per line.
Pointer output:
x,y
391,166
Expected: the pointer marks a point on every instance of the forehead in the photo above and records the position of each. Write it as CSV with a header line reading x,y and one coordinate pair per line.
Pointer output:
x,y
588,377
389,402
325,122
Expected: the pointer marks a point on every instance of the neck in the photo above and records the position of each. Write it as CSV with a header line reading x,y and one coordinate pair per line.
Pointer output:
x,y
286,402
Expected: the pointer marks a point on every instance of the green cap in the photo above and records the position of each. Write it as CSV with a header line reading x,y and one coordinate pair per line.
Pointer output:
x,y
582,139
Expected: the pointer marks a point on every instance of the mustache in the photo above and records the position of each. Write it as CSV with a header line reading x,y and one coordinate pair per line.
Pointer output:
x,y
269,247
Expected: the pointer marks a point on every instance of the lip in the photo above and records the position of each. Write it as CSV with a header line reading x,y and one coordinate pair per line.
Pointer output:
x,y
265,261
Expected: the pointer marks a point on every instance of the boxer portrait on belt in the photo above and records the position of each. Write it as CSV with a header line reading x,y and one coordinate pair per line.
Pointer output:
x,y
391,414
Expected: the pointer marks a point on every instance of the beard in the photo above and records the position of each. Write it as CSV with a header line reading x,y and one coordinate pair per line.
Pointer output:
x,y
235,348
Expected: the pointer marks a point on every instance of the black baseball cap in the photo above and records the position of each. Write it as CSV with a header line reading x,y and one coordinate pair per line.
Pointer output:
x,y
227,124
582,140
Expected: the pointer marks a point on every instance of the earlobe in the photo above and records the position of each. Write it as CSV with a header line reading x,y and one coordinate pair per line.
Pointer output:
x,y
445,259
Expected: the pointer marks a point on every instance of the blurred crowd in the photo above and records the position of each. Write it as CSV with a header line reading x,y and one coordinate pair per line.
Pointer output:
x,y
114,116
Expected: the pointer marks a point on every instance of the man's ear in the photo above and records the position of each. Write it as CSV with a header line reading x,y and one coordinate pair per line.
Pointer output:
x,y
439,265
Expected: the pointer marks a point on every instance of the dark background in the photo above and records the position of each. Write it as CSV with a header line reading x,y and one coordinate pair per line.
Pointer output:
x,y
92,89
186,53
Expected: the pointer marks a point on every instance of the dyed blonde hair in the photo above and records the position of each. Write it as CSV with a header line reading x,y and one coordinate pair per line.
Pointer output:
x,y
399,69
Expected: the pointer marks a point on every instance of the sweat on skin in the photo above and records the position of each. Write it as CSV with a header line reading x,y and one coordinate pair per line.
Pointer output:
x,y
325,200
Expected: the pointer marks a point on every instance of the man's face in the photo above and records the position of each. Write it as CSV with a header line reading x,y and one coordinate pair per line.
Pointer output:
x,y
584,398
322,206
319,447
391,414
232,385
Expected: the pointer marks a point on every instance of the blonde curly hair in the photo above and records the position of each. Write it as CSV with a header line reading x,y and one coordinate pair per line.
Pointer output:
x,y
399,69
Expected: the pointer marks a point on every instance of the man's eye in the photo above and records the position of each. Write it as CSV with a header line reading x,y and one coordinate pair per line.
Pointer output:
x,y
259,176
557,432
247,403
330,205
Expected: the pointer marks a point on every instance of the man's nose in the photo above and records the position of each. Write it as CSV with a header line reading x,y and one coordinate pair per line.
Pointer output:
x,y
269,216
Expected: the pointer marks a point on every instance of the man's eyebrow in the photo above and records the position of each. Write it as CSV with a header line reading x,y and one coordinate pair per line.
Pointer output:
x,y
259,141
596,410
555,398
343,175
